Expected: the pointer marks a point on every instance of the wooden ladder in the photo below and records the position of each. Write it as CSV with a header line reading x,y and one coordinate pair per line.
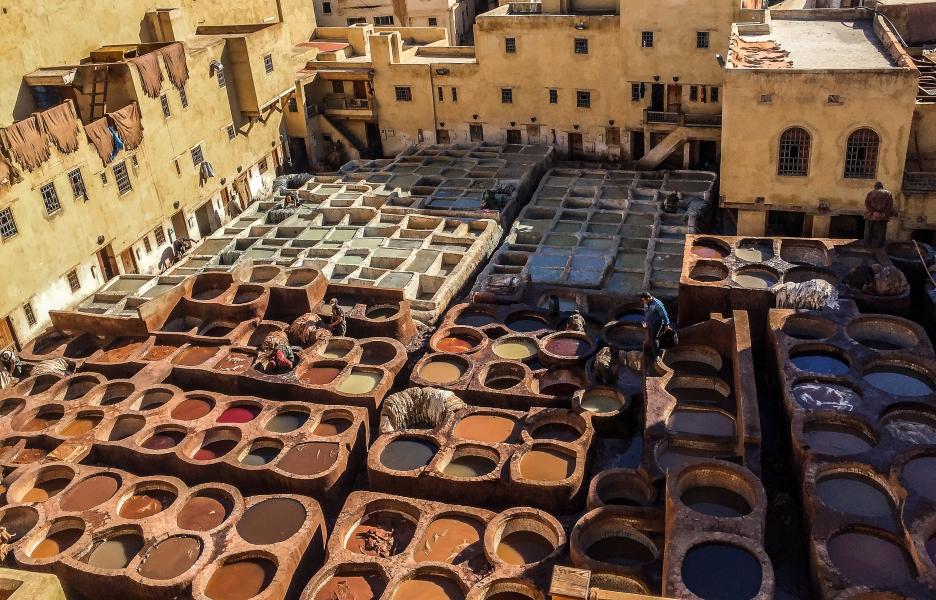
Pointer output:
x,y
99,80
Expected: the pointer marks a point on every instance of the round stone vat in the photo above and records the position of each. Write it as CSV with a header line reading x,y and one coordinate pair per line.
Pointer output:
x,y
566,347
113,392
205,509
882,333
469,461
408,453
561,382
382,312
239,411
754,250
804,274
81,424
429,583
603,400
75,387
804,252
288,419
443,369
899,378
546,462
487,427
360,381
693,359
271,521
264,273
212,444
114,549
818,394
756,278
310,459
621,487
163,438
334,348
870,557
605,540
559,427
123,427
916,475
854,493
708,271
526,322
512,589
515,347
624,335
475,316
704,391
90,492
385,529
260,452
18,520
718,490
710,248
377,353
192,407
522,536
503,375
805,327
59,536
701,422
41,484
300,277
320,373
360,582
835,436
821,359
170,558
10,406
241,576
911,424
33,386
333,422
453,538
194,356
39,418
147,498
151,398
722,571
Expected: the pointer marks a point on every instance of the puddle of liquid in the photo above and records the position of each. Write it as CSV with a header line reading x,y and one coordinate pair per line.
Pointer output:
x,y
600,402
716,501
516,349
899,381
919,476
546,464
382,533
407,454
115,553
170,558
45,490
215,450
163,440
332,426
487,428
359,382
442,371
854,495
469,466
867,559
620,550
90,492
80,426
835,440
319,375
456,344
239,414
146,504
191,409
310,458
260,456
557,431
721,572
820,362
429,587
523,547
195,355
287,421
271,521
453,540
757,280
201,513
352,587
56,543
701,422
240,580
567,346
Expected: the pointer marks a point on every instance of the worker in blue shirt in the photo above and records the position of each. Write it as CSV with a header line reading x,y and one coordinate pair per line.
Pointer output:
x,y
656,322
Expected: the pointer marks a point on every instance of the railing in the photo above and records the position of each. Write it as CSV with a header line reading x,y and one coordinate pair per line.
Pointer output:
x,y
687,119
345,103
655,116
525,8
702,120
919,181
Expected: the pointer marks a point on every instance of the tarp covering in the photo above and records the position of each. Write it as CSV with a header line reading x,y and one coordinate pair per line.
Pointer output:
x,y
150,74
8,173
99,135
61,124
128,124
418,407
26,143
176,67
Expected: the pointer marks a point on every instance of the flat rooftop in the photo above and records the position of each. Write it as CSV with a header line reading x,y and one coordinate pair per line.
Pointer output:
x,y
813,45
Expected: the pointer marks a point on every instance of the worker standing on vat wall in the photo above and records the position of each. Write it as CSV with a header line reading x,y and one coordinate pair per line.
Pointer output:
x,y
657,323
879,208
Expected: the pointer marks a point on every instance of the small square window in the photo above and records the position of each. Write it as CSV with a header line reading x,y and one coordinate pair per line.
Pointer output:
x,y
268,63
178,168
510,45
73,282
7,223
702,39
146,245
613,136
292,105
103,177
337,86
50,198
262,166
635,92
160,235
583,99
222,82
356,20
554,96
183,97
432,22
164,100
441,94
134,161
30,315
506,96
77,184
231,132
197,157
693,93
122,178
764,99
403,93
454,94
646,39
581,45
326,8
383,21
713,94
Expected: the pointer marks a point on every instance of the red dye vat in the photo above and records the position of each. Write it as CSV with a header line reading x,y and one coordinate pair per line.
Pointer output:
x,y
239,414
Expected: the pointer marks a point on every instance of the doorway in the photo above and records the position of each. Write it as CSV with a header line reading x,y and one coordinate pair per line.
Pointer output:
x,y
657,92
179,228
7,334
513,136
708,155
674,98
637,145
128,261
372,135
203,219
108,262
476,133
297,154
443,137
575,146
360,90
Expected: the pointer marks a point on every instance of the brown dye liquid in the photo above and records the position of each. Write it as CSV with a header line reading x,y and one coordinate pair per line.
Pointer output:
x,y
195,355
191,409
523,547
234,362
919,475
80,426
310,458
701,422
159,352
456,344
620,550
90,492
487,428
271,521
120,353
146,504
867,559
469,466
546,464
115,553
45,490
854,495
56,543
29,455
429,587
319,375
170,558
835,440
40,422
240,580
557,431
453,540
442,371
330,427
377,353
201,513
382,533
352,587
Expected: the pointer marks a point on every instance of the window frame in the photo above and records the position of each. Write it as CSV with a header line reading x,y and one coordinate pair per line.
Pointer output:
x,y
222,80
160,234
403,93
703,40
582,98
506,95
789,165
355,21
867,142
635,92
510,45
441,94
30,314
197,155
714,93
580,45
231,132
118,169
166,109
49,195
326,8
268,63
183,97
76,181
553,96
385,18
74,283
647,39
8,228
147,247
454,94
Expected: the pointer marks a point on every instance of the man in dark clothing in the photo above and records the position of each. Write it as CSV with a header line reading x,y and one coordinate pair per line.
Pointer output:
x,y
879,208
656,321
182,245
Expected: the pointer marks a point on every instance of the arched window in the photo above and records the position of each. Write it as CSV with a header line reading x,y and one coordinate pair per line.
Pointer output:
x,y
861,154
794,153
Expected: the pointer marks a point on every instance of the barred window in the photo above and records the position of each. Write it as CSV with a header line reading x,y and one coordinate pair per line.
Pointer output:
x,y
160,234
387,20
454,94
583,99
794,153
197,157
7,223
268,63
147,247
441,94
222,82
581,45
73,282
702,39
77,183
122,178
262,166
713,94
506,96
646,39
50,198
231,132
635,92
861,154
164,100
613,136
403,93
432,21
183,97
326,7
356,20
510,45
693,93
30,315
554,96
